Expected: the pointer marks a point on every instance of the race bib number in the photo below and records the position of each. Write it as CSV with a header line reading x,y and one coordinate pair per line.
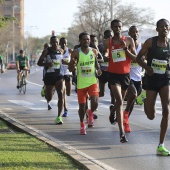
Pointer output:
x,y
159,66
56,64
86,71
118,55
105,64
133,65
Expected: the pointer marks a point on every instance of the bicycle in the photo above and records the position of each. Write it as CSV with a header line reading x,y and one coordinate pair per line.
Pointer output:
x,y
22,82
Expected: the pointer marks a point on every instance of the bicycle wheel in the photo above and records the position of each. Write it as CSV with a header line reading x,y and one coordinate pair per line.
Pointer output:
x,y
24,85
20,86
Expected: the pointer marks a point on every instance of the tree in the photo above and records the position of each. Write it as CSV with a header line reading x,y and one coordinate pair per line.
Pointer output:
x,y
94,16
3,19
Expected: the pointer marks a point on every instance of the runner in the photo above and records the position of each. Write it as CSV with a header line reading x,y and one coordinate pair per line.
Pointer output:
x,y
44,71
93,44
157,80
135,87
103,79
53,77
22,63
119,51
85,58
67,74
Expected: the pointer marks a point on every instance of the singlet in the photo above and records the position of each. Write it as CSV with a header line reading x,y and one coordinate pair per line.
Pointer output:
x,y
119,63
135,69
56,57
158,58
86,69
104,65
22,60
66,57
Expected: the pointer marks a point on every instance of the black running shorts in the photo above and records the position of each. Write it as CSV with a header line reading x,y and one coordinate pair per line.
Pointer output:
x,y
120,79
51,80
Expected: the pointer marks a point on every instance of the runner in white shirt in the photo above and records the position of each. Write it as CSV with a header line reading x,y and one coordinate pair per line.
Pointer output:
x,y
135,87
67,74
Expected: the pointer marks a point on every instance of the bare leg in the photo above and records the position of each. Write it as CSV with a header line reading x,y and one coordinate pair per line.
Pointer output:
x,y
60,88
165,100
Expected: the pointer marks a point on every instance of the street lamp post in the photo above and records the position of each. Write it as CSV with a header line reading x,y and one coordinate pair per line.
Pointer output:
x,y
13,32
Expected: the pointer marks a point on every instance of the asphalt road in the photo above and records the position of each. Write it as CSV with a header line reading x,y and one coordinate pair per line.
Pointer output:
x,y
101,145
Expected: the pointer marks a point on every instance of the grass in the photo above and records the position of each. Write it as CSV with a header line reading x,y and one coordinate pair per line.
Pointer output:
x,y
21,151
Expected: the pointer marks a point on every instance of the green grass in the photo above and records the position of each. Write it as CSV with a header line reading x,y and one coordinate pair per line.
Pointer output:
x,y
21,151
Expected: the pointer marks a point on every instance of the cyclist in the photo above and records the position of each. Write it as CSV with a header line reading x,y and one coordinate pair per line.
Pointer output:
x,y
1,64
22,63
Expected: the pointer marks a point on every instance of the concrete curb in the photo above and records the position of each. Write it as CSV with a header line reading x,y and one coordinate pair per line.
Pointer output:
x,y
79,157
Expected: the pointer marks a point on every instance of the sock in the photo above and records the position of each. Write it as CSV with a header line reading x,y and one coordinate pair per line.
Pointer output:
x,y
161,144
82,124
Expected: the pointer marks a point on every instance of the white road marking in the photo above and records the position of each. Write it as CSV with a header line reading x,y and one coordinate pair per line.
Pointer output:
x,y
22,102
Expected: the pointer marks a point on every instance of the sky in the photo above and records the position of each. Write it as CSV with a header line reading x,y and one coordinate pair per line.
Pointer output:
x,y
43,16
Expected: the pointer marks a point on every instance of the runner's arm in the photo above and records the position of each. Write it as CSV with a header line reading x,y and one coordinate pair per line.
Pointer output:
x,y
143,52
106,50
41,59
130,49
73,61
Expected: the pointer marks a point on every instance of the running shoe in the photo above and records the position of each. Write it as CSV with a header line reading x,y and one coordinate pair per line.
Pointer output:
x,y
49,106
90,118
43,92
65,114
58,120
161,150
140,98
83,129
112,117
123,138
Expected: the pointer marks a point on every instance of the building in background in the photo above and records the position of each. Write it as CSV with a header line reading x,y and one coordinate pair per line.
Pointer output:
x,y
14,8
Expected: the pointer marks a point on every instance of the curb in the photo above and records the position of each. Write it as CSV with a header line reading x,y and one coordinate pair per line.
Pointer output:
x,y
77,156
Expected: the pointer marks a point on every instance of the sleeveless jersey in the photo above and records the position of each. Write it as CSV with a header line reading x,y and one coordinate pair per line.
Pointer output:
x,y
66,57
86,72
119,63
135,69
56,57
158,58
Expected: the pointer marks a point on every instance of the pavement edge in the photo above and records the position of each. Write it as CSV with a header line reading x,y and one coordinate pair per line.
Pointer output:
x,y
83,161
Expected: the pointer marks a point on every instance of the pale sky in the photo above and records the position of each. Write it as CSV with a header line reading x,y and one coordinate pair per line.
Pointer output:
x,y
43,16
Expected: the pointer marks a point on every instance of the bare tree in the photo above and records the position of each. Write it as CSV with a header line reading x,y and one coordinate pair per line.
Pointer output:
x,y
95,16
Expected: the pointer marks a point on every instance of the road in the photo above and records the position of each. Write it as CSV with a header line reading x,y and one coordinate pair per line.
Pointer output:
x,y
101,145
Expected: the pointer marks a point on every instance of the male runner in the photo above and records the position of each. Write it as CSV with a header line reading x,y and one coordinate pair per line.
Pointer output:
x,y
54,76
119,51
103,79
135,86
85,58
157,77
67,74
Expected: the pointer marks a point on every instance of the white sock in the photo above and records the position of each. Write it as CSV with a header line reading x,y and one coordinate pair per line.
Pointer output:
x,y
161,144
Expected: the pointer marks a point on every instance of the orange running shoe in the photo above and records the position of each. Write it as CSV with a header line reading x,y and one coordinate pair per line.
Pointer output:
x,y
82,129
90,118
